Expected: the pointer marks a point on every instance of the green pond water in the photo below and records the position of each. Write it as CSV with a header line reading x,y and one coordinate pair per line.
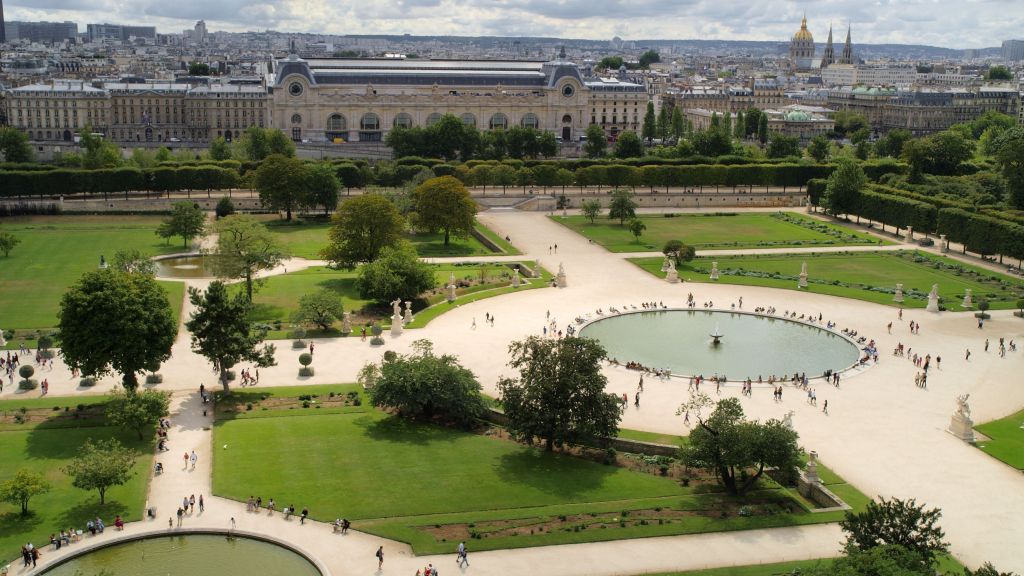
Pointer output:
x,y
751,345
189,555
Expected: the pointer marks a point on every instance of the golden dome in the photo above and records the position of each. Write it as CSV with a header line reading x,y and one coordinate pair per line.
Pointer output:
x,y
803,33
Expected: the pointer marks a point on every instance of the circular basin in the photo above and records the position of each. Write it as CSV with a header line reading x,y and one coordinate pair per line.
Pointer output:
x,y
750,345
193,554
193,266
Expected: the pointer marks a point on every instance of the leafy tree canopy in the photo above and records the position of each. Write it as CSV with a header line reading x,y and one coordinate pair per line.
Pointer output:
x,y
100,465
396,273
360,228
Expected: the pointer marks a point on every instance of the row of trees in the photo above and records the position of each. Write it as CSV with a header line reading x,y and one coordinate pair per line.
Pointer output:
x,y
449,138
108,180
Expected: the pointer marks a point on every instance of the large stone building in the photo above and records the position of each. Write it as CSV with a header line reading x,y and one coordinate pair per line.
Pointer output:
x,y
923,110
137,112
361,100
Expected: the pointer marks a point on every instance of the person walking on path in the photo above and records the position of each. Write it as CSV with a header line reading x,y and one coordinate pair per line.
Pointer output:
x,y
186,460
825,409
181,513
305,512
967,356
380,558
194,459
191,503
201,507
462,559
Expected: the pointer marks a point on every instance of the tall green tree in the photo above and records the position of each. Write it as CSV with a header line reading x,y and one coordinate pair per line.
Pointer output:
x,y
111,321
396,273
739,131
782,146
678,127
14,146
597,142
663,124
712,143
97,152
736,449
187,220
22,487
622,205
282,183
559,396
137,412
889,560
360,228
819,148
244,248
628,145
751,121
842,192
322,186
133,261
321,308
999,73
443,204
1008,150
896,522
650,127
258,143
220,149
221,331
762,128
101,464
591,209
649,57
428,386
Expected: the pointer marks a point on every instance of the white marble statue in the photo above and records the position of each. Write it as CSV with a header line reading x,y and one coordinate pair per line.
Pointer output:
x,y
933,299
396,307
714,270
408,312
803,276
963,409
346,323
899,294
515,278
968,302
787,420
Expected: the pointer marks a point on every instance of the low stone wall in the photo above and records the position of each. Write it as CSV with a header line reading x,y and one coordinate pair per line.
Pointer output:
x,y
819,494
155,205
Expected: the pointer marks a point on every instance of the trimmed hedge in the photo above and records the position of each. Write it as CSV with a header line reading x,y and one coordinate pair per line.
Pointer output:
x,y
111,180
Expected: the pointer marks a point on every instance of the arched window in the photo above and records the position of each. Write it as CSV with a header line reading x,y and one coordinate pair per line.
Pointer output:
x,y
296,119
336,123
370,121
567,119
499,120
529,120
433,119
468,119
403,120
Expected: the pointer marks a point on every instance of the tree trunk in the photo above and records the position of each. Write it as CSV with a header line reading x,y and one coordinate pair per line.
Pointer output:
x,y
549,445
103,495
288,214
224,380
130,382
248,284
447,234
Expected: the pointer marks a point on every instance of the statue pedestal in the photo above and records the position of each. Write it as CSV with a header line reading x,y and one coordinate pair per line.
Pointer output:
x,y
714,270
943,247
672,277
967,303
933,305
803,281
560,280
451,293
515,279
396,325
961,427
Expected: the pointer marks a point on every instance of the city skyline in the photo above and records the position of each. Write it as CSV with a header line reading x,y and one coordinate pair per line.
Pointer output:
x,y
927,22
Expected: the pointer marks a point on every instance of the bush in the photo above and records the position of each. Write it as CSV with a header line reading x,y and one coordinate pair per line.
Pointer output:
x,y
154,378
26,371
45,342
87,382
376,341
298,344
225,207
306,371
305,358
27,384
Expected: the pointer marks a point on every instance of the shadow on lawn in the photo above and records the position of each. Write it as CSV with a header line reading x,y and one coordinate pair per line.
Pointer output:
x,y
551,473
401,431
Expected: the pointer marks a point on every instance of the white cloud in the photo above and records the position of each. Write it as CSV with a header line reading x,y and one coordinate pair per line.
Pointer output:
x,y
950,23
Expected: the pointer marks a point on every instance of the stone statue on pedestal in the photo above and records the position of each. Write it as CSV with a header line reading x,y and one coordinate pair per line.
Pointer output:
x,y
933,299
396,318
665,264
943,247
787,420
346,323
3,342
811,472
714,270
408,312
899,294
451,288
961,425
671,275
803,276
536,269
560,279
515,278
967,303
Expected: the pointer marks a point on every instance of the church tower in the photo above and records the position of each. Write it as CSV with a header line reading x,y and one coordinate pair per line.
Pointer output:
x,y
829,57
847,57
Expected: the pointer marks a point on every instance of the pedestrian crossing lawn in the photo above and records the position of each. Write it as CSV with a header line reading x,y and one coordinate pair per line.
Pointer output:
x,y
45,451
1007,439
56,250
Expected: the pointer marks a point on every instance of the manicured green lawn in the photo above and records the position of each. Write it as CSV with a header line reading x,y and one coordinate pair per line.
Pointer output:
x,y
278,298
305,239
405,480
717,231
870,276
46,451
1007,439
56,250
946,565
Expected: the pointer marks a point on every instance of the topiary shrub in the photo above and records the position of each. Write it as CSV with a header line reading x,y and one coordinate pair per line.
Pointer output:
x,y
306,371
45,342
26,371
154,378
225,207
983,305
27,384
305,358
1020,312
87,382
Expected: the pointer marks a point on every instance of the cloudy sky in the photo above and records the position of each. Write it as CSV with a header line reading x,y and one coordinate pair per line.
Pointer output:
x,y
949,23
